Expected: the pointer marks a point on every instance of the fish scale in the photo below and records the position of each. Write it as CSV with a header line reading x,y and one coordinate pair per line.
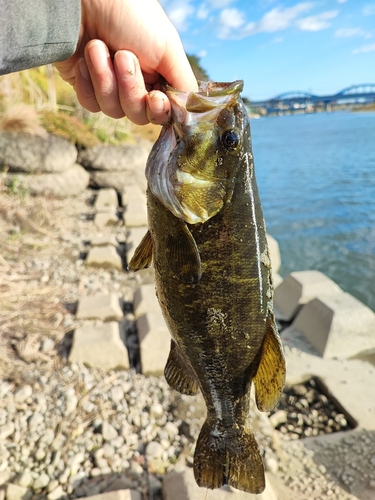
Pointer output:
x,y
213,277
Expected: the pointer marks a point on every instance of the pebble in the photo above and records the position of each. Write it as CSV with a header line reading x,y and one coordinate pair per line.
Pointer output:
x,y
6,430
108,431
24,393
41,481
76,428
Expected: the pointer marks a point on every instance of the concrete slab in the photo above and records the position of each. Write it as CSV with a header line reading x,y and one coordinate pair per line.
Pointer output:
x,y
275,255
348,457
154,341
180,485
118,495
153,334
105,257
132,192
351,382
135,214
297,289
338,326
106,197
100,347
105,307
102,240
145,300
134,202
107,218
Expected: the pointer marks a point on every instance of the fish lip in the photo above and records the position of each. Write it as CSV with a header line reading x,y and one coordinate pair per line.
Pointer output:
x,y
207,103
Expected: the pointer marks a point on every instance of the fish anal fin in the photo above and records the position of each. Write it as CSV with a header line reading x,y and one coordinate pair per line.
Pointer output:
x,y
270,377
178,375
183,254
232,459
143,254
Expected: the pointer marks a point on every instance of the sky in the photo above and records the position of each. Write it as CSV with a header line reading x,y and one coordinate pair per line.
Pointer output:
x,y
277,46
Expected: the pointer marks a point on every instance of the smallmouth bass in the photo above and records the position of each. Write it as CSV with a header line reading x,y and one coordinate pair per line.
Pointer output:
x,y
207,240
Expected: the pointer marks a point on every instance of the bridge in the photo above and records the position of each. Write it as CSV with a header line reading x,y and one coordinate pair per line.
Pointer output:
x,y
298,101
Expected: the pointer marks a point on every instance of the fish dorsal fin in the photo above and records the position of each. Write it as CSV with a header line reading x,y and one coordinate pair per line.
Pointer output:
x,y
143,254
178,374
270,377
183,254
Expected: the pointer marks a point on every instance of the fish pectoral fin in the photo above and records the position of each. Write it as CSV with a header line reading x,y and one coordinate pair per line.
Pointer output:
x,y
183,254
270,377
232,459
143,254
178,374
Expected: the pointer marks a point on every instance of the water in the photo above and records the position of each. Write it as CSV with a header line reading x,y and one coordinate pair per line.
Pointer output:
x,y
316,176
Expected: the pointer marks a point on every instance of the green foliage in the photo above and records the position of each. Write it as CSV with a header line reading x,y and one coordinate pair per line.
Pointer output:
x,y
15,186
199,72
70,128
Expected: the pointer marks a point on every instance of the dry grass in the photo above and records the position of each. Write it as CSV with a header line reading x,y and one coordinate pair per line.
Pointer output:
x,y
22,118
29,310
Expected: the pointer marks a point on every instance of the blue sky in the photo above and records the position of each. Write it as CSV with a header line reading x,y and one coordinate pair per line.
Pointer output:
x,y
277,46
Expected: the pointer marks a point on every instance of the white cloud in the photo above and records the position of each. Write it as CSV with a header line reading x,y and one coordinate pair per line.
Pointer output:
x,y
365,48
369,9
203,12
219,4
178,12
348,32
202,53
232,21
342,1
318,22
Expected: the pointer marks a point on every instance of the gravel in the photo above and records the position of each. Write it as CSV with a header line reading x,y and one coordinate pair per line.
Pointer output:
x,y
72,431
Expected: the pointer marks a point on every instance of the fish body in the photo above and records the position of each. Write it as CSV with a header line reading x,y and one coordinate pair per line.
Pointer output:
x,y
207,239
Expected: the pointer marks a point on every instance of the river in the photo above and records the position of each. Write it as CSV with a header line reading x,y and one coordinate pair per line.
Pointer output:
x,y
316,177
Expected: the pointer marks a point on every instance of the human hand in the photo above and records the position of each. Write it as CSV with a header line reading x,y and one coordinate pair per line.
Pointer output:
x,y
124,46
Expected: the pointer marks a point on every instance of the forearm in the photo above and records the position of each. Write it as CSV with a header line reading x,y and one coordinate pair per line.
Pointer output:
x,y
37,32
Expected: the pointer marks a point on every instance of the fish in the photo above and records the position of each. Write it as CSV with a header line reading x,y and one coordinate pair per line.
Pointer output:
x,y
207,241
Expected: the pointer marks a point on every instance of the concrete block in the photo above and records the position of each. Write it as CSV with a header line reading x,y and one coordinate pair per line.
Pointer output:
x,y
145,300
350,381
102,240
154,339
132,192
133,238
338,326
105,257
118,495
104,307
100,347
153,334
180,485
134,202
106,197
106,218
275,255
135,214
277,279
299,288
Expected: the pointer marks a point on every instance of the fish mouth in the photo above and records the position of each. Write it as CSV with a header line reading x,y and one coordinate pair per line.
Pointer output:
x,y
181,174
206,104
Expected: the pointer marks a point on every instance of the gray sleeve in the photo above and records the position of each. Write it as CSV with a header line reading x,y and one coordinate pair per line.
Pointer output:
x,y
37,32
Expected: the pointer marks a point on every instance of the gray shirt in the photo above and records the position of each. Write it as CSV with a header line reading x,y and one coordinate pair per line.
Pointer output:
x,y
37,32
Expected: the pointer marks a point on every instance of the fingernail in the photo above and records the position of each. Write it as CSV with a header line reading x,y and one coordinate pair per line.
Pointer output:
x,y
83,69
125,63
98,55
156,103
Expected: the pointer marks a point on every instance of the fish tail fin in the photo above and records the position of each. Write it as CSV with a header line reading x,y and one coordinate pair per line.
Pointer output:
x,y
232,459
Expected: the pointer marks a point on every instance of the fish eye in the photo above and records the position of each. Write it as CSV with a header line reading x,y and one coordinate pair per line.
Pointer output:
x,y
230,139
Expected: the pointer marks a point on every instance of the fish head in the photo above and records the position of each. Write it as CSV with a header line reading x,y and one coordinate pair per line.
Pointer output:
x,y
193,166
